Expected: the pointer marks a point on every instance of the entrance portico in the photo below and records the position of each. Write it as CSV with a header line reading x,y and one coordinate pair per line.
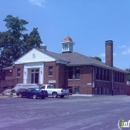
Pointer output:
x,y
33,73
33,62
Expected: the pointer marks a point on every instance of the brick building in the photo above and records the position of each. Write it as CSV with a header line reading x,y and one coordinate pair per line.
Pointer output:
x,y
79,73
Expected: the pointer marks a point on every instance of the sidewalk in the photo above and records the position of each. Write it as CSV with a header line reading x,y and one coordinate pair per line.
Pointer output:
x,y
7,96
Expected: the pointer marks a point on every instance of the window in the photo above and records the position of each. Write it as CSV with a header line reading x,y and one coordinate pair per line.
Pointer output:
x,y
118,77
107,75
70,74
76,90
115,76
123,78
43,87
18,72
77,73
100,74
104,76
50,87
50,71
97,73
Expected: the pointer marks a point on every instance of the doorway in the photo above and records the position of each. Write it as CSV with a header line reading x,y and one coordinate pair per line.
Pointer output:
x,y
35,76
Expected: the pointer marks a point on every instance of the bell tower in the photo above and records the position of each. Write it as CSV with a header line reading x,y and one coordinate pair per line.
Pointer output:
x,y
67,45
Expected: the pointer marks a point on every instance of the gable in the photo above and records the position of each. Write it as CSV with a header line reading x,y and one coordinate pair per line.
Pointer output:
x,y
34,56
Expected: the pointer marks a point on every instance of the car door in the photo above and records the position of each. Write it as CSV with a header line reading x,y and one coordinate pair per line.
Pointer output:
x,y
28,92
24,93
49,89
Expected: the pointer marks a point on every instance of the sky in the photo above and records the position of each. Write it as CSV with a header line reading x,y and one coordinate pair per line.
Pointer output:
x,y
88,22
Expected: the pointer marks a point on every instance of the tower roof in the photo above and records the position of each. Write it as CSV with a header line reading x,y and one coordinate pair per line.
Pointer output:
x,y
67,39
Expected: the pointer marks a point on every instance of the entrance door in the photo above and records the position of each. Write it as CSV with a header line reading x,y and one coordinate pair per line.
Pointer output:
x,y
35,76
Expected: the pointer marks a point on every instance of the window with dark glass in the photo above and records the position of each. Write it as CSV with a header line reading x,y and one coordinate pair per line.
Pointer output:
x,y
70,73
118,77
97,71
77,73
123,78
18,72
107,75
104,76
50,71
100,74
115,76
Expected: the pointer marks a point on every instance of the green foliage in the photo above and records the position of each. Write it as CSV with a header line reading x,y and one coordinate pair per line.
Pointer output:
x,y
128,74
15,42
97,58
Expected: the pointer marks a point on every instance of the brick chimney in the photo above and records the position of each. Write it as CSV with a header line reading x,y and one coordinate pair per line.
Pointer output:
x,y
109,52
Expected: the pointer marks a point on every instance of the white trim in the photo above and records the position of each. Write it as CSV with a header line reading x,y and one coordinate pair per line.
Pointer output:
x,y
26,72
35,55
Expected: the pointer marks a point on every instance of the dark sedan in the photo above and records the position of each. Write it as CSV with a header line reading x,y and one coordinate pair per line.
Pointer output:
x,y
33,93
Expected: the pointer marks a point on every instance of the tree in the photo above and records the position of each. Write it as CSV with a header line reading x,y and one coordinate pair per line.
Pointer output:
x,y
32,40
15,42
97,58
128,74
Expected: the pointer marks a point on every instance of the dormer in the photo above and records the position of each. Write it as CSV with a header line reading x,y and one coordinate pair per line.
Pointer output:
x,y
67,45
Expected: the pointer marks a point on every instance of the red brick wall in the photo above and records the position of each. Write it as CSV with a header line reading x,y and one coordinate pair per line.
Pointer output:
x,y
21,66
59,74
128,90
85,77
8,74
61,71
46,68
117,86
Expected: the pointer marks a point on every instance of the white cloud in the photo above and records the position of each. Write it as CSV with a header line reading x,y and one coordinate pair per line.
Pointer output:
x,y
123,46
127,51
37,2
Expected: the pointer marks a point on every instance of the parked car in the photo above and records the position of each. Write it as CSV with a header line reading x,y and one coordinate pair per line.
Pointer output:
x,y
32,93
55,92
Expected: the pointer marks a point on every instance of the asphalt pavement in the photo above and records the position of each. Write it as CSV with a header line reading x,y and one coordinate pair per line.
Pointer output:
x,y
71,113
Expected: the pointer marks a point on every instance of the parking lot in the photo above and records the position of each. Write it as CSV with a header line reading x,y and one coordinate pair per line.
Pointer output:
x,y
73,113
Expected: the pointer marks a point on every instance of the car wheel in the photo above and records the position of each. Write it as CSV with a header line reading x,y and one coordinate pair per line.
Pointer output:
x,y
54,94
34,96
43,97
20,95
62,96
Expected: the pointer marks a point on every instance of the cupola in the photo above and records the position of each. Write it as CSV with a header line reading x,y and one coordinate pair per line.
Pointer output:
x,y
43,46
67,45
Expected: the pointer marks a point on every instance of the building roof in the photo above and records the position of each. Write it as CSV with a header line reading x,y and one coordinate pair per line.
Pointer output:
x,y
67,39
77,59
53,54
